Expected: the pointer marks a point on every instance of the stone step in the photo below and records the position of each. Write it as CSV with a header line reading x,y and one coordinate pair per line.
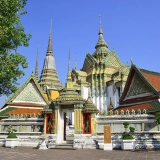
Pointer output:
x,y
65,146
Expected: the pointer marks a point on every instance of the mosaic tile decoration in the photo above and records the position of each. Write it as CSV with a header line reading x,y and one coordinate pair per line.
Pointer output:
x,y
30,94
138,87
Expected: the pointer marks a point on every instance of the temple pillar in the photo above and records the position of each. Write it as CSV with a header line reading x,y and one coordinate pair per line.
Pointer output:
x,y
56,120
78,119
93,123
44,126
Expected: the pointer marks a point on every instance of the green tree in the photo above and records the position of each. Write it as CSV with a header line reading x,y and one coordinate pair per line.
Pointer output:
x,y
12,36
157,119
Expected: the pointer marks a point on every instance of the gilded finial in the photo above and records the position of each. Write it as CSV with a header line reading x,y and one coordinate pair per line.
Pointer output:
x,y
110,107
89,97
100,26
100,22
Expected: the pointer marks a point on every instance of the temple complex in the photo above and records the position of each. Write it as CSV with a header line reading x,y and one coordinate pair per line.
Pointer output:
x,y
103,92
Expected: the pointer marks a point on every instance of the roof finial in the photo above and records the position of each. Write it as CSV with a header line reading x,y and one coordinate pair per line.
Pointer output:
x,y
100,22
33,71
51,27
69,61
75,65
49,49
100,25
131,60
36,70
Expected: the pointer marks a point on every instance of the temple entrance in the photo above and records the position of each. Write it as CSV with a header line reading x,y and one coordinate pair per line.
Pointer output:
x,y
68,126
65,123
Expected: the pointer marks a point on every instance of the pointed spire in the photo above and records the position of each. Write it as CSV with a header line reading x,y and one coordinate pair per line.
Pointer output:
x,y
101,42
69,73
110,107
100,25
89,96
49,72
36,70
75,64
49,49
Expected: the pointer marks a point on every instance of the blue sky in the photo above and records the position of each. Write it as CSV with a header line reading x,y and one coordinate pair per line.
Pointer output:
x,y
131,27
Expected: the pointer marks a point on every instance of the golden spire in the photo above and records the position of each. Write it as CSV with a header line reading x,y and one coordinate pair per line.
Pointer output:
x,y
69,73
69,83
101,42
110,107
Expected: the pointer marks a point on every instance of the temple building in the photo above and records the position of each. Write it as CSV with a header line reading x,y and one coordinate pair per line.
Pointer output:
x,y
141,93
103,74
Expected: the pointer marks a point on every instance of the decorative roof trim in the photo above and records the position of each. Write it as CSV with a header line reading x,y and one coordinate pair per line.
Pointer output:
x,y
32,77
132,72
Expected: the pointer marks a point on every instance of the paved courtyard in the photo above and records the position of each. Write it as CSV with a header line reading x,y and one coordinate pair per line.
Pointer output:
x,y
28,153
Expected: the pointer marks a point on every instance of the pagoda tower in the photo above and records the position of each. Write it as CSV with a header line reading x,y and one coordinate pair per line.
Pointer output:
x,y
49,76
103,74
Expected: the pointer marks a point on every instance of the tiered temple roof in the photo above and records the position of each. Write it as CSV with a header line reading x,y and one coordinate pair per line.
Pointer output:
x,y
49,76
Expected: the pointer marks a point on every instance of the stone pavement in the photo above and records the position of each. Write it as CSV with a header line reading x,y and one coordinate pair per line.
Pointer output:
x,y
28,153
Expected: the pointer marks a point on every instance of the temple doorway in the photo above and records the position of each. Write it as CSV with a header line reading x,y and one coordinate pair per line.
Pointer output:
x,y
65,123
68,126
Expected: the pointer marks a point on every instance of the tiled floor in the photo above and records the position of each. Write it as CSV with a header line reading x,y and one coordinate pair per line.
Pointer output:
x,y
28,153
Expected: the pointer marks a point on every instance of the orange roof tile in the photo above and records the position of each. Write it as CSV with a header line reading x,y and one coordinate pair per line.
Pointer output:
x,y
25,111
153,79
135,107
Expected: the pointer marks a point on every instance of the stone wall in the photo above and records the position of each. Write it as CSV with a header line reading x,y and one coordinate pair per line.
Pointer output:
x,y
22,124
141,122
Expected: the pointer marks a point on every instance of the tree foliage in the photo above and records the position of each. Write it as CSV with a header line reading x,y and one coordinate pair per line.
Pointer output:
x,y
157,118
12,36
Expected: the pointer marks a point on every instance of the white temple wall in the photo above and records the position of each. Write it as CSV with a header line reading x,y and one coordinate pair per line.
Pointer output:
x,y
60,125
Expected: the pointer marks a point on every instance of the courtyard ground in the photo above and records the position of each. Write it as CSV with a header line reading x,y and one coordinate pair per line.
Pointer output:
x,y
28,153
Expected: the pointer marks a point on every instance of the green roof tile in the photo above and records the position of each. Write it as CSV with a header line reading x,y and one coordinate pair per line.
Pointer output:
x,y
3,112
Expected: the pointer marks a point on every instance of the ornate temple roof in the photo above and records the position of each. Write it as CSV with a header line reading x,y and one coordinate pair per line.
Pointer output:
x,y
101,46
49,76
70,95
152,77
141,82
29,92
89,106
141,91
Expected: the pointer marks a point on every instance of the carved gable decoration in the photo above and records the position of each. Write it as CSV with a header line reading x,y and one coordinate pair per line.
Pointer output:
x,y
138,88
30,94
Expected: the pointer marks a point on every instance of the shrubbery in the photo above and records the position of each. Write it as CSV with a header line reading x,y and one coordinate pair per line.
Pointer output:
x,y
11,133
127,135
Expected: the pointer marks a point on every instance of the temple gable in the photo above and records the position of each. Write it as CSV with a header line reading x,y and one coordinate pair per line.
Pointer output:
x,y
30,94
138,88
